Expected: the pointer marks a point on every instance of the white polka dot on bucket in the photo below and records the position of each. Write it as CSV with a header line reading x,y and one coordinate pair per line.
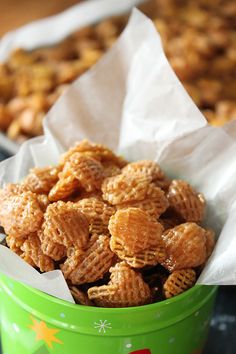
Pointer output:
x,y
15,327
196,314
171,340
62,315
128,345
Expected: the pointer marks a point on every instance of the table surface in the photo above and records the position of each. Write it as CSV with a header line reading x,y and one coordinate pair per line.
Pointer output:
x,y
222,339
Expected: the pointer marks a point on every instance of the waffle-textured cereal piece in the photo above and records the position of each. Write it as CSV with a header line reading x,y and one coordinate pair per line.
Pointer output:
x,y
66,225
148,257
12,189
154,207
66,186
41,180
97,151
210,241
185,246
80,297
189,204
126,188
126,288
32,249
96,262
74,258
21,214
43,201
15,244
110,169
87,170
79,172
135,230
148,168
52,249
95,208
178,282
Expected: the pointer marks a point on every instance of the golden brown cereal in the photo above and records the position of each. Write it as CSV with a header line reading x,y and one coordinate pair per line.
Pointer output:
x,y
126,288
66,225
185,246
21,214
126,188
178,282
88,171
74,258
210,241
186,202
154,207
97,151
95,208
12,189
135,230
5,117
147,168
79,172
52,249
110,169
80,297
15,244
96,262
32,248
147,257
41,180
43,201
63,188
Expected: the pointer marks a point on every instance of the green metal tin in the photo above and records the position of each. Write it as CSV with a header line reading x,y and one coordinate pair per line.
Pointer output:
x,y
34,322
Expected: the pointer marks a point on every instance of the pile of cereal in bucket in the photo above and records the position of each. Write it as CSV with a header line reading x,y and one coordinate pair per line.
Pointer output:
x,y
123,234
198,39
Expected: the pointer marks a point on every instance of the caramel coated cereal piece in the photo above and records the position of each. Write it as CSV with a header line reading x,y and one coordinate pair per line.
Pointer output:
x,y
186,202
126,188
21,214
66,225
110,169
43,201
79,172
52,249
80,297
97,151
32,248
147,257
178,282
88,171
210,241
96,262
74,258
154,207
5,117
66,186
185,246
147,168
41,180
126,288
95,208
15,244
135,230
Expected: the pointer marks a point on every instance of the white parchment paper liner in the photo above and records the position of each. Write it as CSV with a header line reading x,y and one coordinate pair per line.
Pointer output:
x,y
133,102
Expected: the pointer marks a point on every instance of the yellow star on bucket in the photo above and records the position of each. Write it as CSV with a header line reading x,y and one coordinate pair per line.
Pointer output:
x,y
44,333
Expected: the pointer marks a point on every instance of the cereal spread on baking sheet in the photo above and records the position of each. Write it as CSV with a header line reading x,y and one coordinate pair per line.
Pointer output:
x,y
123,234
199,39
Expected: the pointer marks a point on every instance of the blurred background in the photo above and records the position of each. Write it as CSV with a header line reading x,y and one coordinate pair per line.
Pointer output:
x,y
199,38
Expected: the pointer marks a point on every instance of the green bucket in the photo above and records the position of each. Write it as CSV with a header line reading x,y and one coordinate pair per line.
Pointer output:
x,y
36,323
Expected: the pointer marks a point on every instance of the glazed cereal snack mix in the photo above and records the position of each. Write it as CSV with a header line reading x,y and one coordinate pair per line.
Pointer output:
x,y
199,41
123,234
